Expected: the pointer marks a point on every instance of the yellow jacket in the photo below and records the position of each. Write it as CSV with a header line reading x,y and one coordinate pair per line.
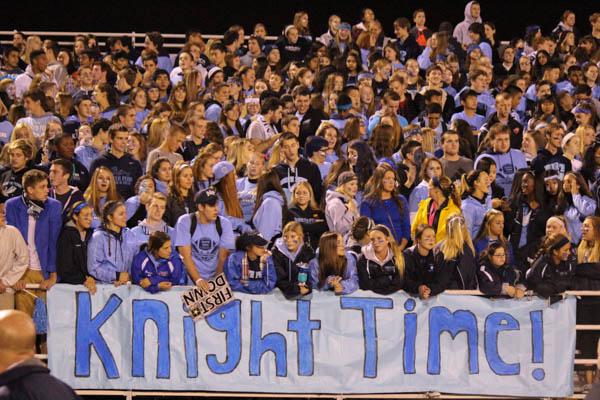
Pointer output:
x,y
421,218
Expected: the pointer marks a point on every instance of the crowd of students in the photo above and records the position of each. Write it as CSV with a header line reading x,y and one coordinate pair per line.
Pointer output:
x,y
426,161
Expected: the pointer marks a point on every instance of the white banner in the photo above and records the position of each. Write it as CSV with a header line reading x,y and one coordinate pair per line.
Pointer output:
x,y
125,338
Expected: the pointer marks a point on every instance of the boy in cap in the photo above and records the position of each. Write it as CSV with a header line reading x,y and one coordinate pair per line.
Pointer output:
x,y
250,269
204,239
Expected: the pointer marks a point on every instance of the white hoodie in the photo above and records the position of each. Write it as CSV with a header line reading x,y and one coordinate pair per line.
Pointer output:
x,y
461,31
14,255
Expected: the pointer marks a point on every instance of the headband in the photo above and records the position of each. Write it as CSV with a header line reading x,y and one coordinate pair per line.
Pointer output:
x,y
554,218
560,243
549,178
77,209
460,219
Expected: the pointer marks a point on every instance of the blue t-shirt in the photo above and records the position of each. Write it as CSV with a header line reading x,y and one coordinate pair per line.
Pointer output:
x,y
205,243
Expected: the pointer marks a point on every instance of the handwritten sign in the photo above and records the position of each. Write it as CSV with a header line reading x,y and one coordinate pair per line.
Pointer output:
x,y
201,303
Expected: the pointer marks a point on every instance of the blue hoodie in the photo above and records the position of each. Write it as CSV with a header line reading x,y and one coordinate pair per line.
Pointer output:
x,y
47,229
140,234
109,254
86,154
237,224
157,270
247,195
349,280
583,206
263,284
418,194
507,165
268,219
474,211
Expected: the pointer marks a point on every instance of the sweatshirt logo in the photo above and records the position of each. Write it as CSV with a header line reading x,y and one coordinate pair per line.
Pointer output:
x,y
204,249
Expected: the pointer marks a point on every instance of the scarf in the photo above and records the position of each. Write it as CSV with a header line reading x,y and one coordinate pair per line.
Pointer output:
x,y
248,273
34,207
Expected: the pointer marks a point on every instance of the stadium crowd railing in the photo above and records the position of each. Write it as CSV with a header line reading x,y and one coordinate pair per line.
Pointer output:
x,y
173,41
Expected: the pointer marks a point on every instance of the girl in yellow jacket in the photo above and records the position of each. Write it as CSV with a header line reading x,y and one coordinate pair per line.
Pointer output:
x,y
444,200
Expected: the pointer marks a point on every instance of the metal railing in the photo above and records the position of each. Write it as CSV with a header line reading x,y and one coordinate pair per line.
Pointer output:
x,y
173,41
130,394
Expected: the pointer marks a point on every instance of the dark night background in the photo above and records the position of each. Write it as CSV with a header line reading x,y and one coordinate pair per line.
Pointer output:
x,y
213,17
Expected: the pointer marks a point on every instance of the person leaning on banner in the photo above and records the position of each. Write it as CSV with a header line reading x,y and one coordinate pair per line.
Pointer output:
x,y
39,219
72,246
291,255
204,239
333,268
110,250
250,269
22,376
455,258
419,263
495,275
14,259
381,263
157,268
552,271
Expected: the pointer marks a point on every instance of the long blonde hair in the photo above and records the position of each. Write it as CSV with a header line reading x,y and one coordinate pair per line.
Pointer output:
x,y
457,236
157,132
589,251
92,194
237,154
398,255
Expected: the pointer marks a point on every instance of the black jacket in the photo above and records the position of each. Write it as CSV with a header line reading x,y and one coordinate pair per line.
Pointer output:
x,y
419,270
31,380
71,263
492,279
407,49
287,269
379,278
548,279
176,208
535,232
11,181
309,124
293,52
313,223
126,170
456,273
304,169
586,277
546,161
516,130
80,177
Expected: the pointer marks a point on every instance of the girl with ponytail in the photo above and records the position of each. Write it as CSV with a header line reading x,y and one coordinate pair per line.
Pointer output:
x,y
476,202
553,270
455,256
443,200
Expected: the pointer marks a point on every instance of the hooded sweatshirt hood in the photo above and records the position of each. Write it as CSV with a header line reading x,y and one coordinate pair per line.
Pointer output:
x,y
369,252
280,245
468,17
461,32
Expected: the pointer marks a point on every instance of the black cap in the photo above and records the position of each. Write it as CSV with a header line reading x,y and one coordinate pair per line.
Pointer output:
x,y
252,238
206,196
